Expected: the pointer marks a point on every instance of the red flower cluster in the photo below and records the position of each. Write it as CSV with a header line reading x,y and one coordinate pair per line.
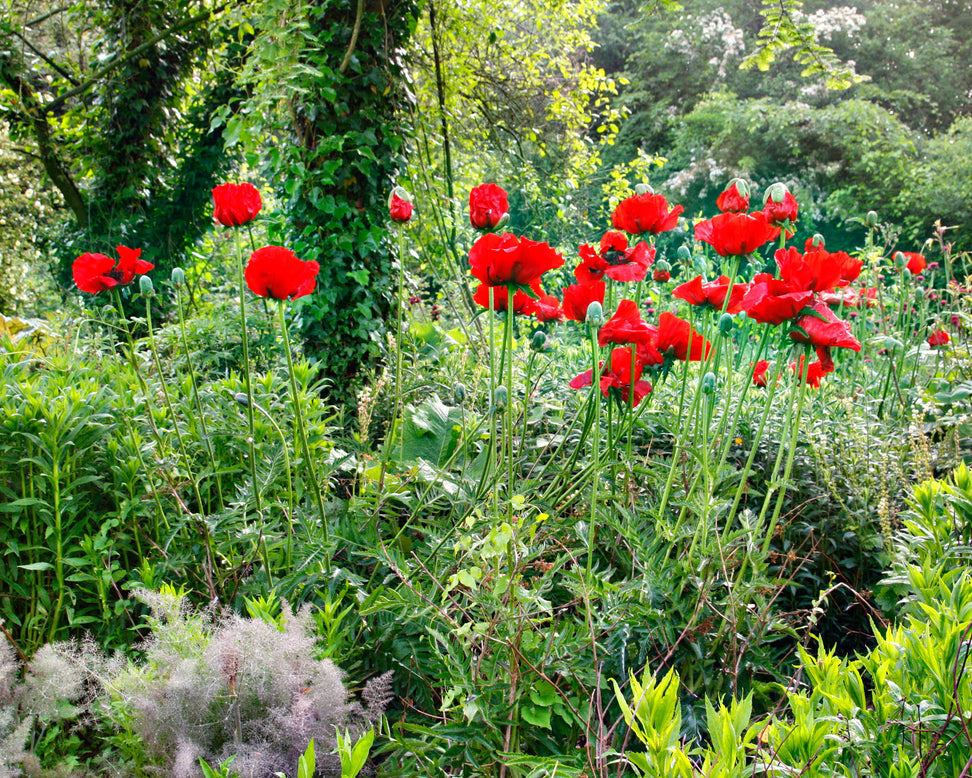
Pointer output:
x,y
94,273
236,204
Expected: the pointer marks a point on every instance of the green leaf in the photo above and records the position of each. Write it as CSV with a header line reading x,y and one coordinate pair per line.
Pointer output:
x,y
539,717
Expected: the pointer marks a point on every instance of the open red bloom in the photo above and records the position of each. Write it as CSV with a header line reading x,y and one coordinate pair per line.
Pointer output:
x,y
522,302
677,338
851,298
400,208
732,200
487,205
823,328
577,297
276,272
615,260
817,270
759,372
813,372
618,375
645,213
626,326
779,214
507,259
94,273
772,301
914,262
938,337
548,309
236,204
712,293
732,234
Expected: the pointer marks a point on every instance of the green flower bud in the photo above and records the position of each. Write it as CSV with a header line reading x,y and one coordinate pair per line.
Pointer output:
x,y
539,341
500,398
459,394
595,314
503,221
900,260
708,383
684,254
661,264
178,277
641,189
871,220
725,323
145,286
891,343
776,193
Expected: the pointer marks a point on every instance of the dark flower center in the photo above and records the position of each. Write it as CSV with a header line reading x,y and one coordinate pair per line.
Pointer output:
x,y
614,257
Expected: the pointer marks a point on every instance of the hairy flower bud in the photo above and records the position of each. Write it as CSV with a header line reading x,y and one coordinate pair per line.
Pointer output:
x,y
500,397
708,383
776,193
595,314
817,241
643,189
742,186
725,323
178,277
145,286
539,341
684,254
871,220
459,394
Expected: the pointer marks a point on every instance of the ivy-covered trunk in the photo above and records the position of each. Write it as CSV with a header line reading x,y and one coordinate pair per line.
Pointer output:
x,y
336,178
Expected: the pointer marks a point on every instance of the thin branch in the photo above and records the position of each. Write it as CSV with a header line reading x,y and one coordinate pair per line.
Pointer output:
x,y
354,38
102,72
48,15
60,71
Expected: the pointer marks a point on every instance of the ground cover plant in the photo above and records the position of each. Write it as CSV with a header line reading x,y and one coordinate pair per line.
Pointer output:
x,y
523,468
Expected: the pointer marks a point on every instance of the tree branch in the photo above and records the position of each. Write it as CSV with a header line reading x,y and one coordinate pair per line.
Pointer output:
x,y
102,72
60,71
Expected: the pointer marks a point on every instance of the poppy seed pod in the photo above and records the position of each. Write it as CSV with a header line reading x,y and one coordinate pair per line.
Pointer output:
x,y
776,193
146,287
595,314
725,323
178,277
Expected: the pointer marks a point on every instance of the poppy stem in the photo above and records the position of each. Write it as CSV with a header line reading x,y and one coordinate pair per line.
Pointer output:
x,y
596,444
508,424
251,424
302,435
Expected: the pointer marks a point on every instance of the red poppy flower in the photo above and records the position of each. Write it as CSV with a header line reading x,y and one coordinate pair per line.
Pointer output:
x,y
618,376
814,371
938,337
487,205
577,297
94,273
732,234
781,213
626,326
661,275
276,272
522,302
914,262
712,293
236,204
772,301
506,259
645,213
400,208
732,200
850,298
677,338
759,372
615,260
823,328
548,309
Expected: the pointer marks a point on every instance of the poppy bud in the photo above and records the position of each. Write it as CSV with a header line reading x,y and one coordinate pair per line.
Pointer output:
x,y
684,254
662,271
742,186
459,394
178,277
891,343
900,260
725,323
539,342
776,193
643,189
503,221
871,220
817,241
400,205
145,286
241,398
500,397
595,314
708,383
